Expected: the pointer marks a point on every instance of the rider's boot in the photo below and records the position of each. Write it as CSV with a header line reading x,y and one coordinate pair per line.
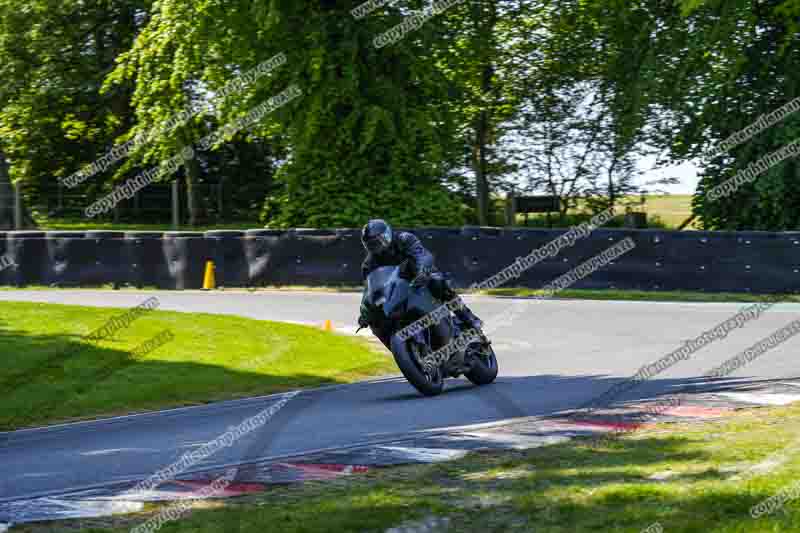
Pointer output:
x,y
471,321
466,319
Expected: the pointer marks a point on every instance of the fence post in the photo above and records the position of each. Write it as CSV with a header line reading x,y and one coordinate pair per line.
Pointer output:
x,y
176,205
17,206
220,205
511,208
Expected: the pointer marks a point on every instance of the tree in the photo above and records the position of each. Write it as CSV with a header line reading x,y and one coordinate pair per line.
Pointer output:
x,y
757,80
478,49
582,83
686,77
55,55
365,138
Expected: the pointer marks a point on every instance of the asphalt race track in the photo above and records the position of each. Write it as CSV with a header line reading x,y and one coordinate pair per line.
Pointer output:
x,y
553,357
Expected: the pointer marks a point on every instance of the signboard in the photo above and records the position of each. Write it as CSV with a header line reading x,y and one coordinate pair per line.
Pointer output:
x,y
538,204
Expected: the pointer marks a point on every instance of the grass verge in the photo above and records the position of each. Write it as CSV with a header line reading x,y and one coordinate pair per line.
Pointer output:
x,y
50,374
686,477
648,296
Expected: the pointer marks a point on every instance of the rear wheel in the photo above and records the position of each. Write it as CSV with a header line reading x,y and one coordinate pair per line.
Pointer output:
x,y
484,364
408,355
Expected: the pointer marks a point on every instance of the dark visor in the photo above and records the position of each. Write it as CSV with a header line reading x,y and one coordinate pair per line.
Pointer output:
x,y
375,244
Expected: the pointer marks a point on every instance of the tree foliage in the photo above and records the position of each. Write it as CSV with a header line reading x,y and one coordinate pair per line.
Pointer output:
x,y
757,45
55,55
559,97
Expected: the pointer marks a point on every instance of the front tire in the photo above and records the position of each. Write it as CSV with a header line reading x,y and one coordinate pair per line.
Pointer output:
x,y
429,385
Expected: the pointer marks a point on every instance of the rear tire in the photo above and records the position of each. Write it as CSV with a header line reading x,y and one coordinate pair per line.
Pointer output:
x,y
427,385
484,367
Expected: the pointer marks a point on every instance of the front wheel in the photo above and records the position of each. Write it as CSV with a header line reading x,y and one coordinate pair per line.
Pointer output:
x,y
407,355
484,365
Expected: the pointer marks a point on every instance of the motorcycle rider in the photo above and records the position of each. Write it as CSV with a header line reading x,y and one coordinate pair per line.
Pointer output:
x,y
386,247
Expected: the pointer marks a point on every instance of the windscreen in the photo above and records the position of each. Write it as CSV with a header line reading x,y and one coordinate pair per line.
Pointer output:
x,y
378,279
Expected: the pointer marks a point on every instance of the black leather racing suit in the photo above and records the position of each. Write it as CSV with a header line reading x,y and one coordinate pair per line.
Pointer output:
x,y
406,246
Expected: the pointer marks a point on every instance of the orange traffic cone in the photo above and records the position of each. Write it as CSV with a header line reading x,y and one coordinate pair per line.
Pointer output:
x,y
328,326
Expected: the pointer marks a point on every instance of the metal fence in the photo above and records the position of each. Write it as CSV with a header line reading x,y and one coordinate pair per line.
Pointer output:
x,y
164,203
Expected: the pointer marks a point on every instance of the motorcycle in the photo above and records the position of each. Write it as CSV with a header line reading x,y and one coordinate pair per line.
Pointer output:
x,y
425,357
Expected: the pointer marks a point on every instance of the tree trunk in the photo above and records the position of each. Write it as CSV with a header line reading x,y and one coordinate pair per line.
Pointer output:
x,y
485,23
192,177
612,193
6,197
482,183
192,172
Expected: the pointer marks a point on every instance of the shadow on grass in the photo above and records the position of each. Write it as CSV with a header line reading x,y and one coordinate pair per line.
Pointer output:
x,y
56,378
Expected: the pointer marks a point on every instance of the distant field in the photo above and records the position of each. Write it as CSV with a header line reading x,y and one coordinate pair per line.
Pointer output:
x,y
663,210
672,209
668,210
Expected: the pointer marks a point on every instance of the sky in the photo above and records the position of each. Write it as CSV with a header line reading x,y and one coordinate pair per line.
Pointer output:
x,y
686,172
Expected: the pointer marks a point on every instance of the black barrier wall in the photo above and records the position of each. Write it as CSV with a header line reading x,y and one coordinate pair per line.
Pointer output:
x,y
662,260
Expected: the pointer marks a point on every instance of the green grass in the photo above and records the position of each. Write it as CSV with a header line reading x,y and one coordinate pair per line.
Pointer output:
x,y
688,477
649,296
48,374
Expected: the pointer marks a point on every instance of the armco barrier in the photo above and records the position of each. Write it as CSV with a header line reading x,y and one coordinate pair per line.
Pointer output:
x,y
147,263
662,260
108,247
69,255
184,253
262,253
7,272
227,249
28,251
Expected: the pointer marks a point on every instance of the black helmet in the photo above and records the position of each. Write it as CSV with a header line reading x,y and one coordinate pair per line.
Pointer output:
x,y
376,236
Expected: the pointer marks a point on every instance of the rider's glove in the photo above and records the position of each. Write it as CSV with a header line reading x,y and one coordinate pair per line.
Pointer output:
x,y
363,318
423,277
